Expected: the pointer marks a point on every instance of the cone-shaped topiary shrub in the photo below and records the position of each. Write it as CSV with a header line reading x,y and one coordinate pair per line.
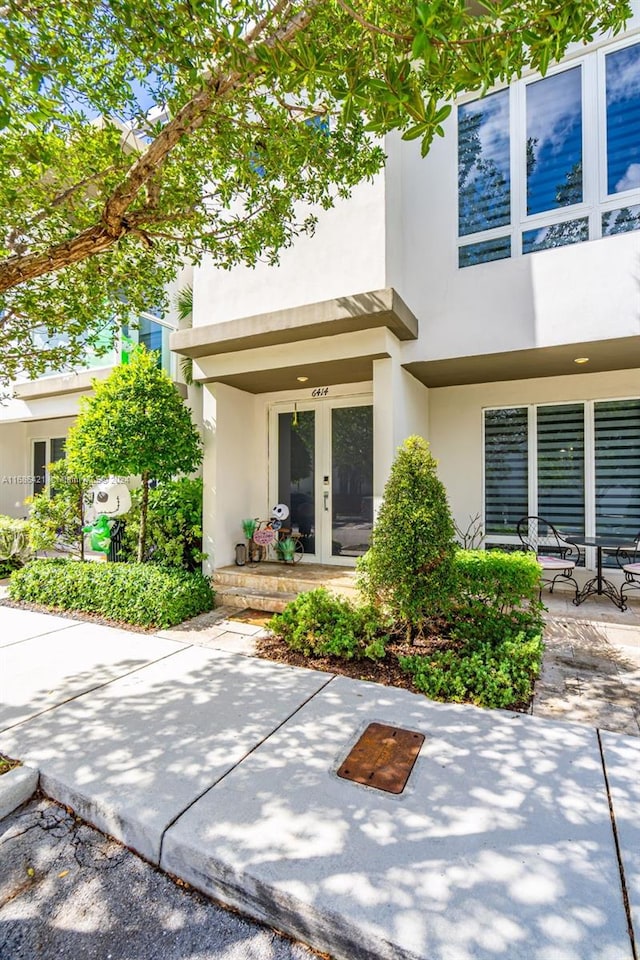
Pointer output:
x,y
409,567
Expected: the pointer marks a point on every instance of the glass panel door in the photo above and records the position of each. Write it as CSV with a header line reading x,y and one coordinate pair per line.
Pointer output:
x,y
296,472
351,480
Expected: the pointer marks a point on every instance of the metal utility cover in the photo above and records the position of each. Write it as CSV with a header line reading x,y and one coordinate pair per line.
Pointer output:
x,y
383,757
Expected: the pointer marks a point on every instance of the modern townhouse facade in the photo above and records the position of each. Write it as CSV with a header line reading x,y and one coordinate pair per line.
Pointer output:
x,y
486,297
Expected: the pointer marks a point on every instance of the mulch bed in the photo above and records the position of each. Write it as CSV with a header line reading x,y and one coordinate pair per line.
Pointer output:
x,y
387,671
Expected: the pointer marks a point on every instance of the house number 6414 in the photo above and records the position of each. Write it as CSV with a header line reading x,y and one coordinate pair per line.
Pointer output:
x,y
320,392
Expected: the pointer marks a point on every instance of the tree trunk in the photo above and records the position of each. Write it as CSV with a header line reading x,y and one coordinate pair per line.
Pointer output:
x,y
81,511
142,538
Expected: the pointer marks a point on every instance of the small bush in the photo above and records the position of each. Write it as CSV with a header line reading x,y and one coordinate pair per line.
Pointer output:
x,y
498,595
137,593
409,568
14,544
56,516
174,524
318,624
488,674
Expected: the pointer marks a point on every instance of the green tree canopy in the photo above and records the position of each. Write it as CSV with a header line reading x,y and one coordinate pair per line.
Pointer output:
x,y
266,106
135,424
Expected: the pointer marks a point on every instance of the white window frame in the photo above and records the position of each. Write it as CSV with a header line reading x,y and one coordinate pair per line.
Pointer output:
x,y
48,441
595,200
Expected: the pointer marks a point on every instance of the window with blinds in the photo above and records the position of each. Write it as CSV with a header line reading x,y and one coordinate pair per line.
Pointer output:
x,y
560,458
617,467
506,469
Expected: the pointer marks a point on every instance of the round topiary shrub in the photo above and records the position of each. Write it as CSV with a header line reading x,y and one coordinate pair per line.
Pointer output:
x,y
409,568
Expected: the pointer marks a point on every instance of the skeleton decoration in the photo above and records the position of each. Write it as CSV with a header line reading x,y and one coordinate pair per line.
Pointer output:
x,y
104,503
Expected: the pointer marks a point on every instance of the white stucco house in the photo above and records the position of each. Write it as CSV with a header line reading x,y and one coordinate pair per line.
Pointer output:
x,y
486,297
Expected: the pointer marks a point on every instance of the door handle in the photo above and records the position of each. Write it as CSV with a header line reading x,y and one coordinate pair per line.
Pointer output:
x,y
326,500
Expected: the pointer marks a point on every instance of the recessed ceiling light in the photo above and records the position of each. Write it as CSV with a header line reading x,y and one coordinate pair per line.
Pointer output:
x,y
302,379
581,360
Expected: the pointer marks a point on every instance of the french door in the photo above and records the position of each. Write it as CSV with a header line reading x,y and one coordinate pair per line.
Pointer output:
x,y
321,466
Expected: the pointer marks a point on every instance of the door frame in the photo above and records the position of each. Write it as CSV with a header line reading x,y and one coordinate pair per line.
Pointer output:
x,y
322,407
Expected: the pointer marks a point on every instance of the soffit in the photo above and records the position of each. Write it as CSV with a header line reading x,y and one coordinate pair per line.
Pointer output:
x,y
363,311
325,374
619,354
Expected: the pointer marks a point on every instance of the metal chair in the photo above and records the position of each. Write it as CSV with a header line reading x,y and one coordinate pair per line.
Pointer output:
x,y
629,562
560,555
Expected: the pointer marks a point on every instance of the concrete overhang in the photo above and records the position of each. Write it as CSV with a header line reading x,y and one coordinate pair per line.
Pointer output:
x,y
55,386
622,353
327,361
362,311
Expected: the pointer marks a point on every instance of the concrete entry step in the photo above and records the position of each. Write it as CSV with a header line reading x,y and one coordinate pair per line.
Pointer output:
x,y
243,597
273,581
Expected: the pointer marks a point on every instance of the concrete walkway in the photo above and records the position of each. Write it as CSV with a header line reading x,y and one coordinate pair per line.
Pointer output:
x,y
516,836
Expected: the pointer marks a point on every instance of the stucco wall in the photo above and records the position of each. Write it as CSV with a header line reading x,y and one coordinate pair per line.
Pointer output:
x,y
16,459
14,463
344,256
231,470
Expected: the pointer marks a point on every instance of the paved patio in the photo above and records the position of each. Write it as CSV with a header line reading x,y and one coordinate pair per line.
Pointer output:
x,y
591,670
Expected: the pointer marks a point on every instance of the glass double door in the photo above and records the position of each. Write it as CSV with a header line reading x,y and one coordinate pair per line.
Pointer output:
x,y
321,456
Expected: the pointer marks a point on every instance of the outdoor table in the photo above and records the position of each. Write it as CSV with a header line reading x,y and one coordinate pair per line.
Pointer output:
x,y
599,585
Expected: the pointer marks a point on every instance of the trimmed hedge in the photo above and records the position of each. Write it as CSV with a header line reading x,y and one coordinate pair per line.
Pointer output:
x,y
503,579
141,594
498,596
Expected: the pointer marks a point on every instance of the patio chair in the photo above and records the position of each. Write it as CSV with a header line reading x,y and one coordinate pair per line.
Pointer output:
x,y
629,561
556,553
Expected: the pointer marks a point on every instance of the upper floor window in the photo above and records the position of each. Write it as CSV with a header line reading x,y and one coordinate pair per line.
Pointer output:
x,y
551,161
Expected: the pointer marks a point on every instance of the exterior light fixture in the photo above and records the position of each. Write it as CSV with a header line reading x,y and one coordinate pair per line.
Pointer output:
x,y
581,360
302,379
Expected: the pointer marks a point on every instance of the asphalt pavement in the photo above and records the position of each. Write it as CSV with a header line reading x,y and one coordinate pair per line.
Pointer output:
x,y
67,891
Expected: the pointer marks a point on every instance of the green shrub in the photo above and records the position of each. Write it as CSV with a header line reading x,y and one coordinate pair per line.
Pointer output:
x,y
137,593
56,516
174,525
488,674
318,624
14,544
498,595
502,579
409,568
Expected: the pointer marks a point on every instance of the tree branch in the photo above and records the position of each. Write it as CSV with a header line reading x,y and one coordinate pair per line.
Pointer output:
x,y
372,27
113,223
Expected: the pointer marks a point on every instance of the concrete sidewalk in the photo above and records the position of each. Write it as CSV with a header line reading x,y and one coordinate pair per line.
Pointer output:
x,y
516,837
